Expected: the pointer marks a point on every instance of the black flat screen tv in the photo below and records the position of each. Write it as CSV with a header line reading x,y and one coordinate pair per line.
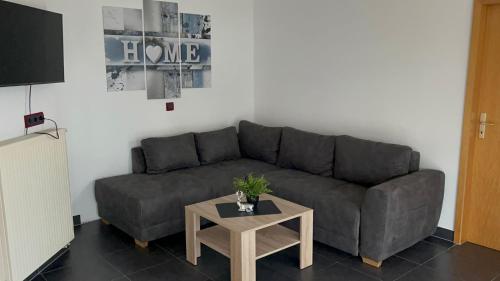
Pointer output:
x,y
31,46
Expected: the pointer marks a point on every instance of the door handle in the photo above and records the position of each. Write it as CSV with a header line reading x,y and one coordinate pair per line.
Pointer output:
x,y
482,125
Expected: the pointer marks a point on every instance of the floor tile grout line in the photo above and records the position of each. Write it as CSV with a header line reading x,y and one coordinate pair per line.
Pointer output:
x,y
418,263
445,249
101,255
361,272
41,270
194,267
125,274
68,266
443,239
367,274
161,263
147,268
115,251
412,270
166,250
441,254
435,244
341,259
408,260
120,278
57,269
428,260
431,269
113,267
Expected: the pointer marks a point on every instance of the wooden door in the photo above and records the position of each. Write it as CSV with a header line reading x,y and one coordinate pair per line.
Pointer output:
x,y
478,216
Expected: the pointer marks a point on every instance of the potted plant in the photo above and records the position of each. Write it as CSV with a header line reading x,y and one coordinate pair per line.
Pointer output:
x,y
252,187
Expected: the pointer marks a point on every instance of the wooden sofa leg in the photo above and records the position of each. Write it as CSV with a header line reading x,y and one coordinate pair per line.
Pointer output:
x,y
142,244
105,222
371,262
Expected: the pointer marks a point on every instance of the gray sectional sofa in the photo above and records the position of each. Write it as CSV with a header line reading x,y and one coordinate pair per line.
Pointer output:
x,y
369,198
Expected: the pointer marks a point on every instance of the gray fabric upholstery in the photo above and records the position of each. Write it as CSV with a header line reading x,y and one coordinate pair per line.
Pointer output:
x,y
306,151
219,177
377,222
217,146
369,163
399,213
138,161
149,207
170,153
336,204
259,142
414,161
148,200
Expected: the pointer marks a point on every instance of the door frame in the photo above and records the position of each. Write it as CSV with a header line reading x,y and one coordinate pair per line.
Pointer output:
x,y
471,118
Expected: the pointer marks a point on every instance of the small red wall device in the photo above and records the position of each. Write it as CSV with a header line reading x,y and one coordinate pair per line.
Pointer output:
x,y
33,119
170,106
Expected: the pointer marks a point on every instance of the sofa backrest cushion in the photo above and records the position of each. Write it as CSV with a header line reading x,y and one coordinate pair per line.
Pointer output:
x,y
414,161
259,142
369,163
306,151
170,153
138,161
217,146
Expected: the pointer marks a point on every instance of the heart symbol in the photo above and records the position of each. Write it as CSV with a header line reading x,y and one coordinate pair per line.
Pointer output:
x,y
154,53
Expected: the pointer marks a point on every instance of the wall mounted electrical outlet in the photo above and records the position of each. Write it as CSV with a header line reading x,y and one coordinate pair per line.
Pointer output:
x,y
34,119
170,106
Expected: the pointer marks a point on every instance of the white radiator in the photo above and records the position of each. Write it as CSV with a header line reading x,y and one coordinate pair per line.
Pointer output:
x,y
35,208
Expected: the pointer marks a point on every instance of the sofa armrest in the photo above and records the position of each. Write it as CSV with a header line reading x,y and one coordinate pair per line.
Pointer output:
x,y
398,213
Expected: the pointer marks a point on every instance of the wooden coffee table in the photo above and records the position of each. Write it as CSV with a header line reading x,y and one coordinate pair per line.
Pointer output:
x,y
245,239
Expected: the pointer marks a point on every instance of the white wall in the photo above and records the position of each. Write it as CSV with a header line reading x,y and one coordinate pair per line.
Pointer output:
x,y
104,126
386,70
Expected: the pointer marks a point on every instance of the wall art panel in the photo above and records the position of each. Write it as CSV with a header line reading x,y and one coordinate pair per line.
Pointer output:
x,y
163,55
123,41
196,35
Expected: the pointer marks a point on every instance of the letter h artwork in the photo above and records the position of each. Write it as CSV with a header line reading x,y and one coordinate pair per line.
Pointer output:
x,y
123,41
172,60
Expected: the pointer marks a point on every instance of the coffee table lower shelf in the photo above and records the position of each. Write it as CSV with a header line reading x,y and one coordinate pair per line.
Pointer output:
x,y
269,240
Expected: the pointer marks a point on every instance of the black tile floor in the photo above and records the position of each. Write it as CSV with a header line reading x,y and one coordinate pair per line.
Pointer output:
x,y
101,252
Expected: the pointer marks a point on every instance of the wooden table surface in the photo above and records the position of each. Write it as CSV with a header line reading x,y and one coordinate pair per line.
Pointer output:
x,y
246,239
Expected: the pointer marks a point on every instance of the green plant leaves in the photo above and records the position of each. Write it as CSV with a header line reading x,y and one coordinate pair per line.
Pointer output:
x,y
252,186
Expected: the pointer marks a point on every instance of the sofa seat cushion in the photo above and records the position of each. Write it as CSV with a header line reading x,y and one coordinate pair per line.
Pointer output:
x,y
147,200
217,146
306,151
336,203
219,177
370,163
259,142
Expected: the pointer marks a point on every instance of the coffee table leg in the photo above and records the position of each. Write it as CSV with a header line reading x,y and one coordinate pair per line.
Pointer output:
x,y
192,244
243,256
306,240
